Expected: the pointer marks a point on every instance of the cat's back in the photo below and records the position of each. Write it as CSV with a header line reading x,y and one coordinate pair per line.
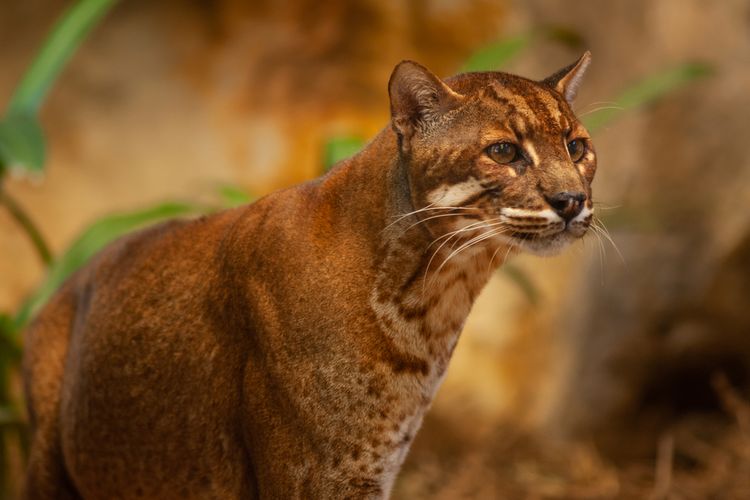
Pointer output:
x,y
133,336
179,257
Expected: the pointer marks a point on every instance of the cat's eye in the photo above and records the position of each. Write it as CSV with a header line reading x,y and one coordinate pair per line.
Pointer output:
x,y
503,152
576,149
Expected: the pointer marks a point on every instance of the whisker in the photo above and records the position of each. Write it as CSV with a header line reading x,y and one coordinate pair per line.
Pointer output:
x,y
474,241
491,223
600,251
597,103
507,254
452,234
472,226
448,237
425,209
433,217
603,206
492,259
601,108
597,222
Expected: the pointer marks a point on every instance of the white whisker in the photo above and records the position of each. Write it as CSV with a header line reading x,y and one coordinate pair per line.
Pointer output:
x,y
483,225
433,217
602,108
598,224
425,209
474,241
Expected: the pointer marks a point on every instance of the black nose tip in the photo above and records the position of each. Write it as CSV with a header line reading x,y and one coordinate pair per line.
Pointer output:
x,y
567,204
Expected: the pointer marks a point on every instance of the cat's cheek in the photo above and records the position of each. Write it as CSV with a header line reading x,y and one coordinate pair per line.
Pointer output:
x,y
587,171
489,169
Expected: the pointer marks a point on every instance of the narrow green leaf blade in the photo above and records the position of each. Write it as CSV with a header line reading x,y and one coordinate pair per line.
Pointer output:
x,y
646,91
234,196
65,38
9,346
494,56
22,143
7,417
90,242
523,281
340,148
563,35
10,355
498,54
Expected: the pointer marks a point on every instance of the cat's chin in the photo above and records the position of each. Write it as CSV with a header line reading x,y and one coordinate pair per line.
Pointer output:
x,y
546,247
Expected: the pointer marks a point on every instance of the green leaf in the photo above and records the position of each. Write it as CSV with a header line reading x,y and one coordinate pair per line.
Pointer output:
x,y
62,42
21,142
90,242
27,225
8,417
563,35
523,281
233,196
10,356
647,91
340,148
6,325
8,338
498,54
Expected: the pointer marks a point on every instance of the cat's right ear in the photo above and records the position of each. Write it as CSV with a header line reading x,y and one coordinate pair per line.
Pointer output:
x,y
567,80
417,98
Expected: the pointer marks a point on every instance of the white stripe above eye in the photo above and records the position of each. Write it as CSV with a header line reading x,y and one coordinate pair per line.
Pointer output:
x,y
529,148
453,195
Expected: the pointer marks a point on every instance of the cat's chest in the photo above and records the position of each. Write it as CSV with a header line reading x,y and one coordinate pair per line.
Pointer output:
x,y
381,442
420,308
424,311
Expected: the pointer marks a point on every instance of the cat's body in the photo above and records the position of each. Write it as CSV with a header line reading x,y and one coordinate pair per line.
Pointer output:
x,y
290,348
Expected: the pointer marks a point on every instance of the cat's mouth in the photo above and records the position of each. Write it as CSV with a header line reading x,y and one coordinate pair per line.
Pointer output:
x,y
546,245
551,241
574,231
525,236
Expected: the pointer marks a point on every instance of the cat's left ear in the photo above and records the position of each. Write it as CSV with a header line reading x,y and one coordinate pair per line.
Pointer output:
x,y
567,81
418,98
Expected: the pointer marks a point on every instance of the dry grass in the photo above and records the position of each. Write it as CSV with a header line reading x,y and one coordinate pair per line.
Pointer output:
x,y
698,457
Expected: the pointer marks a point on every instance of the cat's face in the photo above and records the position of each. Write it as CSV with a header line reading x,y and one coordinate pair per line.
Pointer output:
x,y
496,157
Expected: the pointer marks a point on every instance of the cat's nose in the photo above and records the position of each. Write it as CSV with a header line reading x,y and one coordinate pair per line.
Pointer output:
x,y
567,204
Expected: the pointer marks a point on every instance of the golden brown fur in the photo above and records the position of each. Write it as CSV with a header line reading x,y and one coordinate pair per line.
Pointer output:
x,y
290,348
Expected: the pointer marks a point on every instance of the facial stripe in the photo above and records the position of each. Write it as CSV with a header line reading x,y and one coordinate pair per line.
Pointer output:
x,y
585,213
454,195
537,107
528,146
545,110
520,213
553,108
516,102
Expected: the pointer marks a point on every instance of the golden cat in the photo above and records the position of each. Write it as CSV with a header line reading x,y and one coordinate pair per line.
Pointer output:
x,y
290,348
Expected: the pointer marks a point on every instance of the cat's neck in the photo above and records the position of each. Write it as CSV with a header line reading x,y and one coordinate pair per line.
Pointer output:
x,y
419,294
423,284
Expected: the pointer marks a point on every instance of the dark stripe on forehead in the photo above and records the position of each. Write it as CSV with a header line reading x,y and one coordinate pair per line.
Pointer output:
x,y
530,107
541,108
564,110
494,94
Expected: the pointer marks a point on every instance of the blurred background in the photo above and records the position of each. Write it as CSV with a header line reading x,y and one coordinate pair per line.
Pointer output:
x,y
620,369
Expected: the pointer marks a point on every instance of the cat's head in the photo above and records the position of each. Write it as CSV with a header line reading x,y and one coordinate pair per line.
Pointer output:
x,y
496,156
